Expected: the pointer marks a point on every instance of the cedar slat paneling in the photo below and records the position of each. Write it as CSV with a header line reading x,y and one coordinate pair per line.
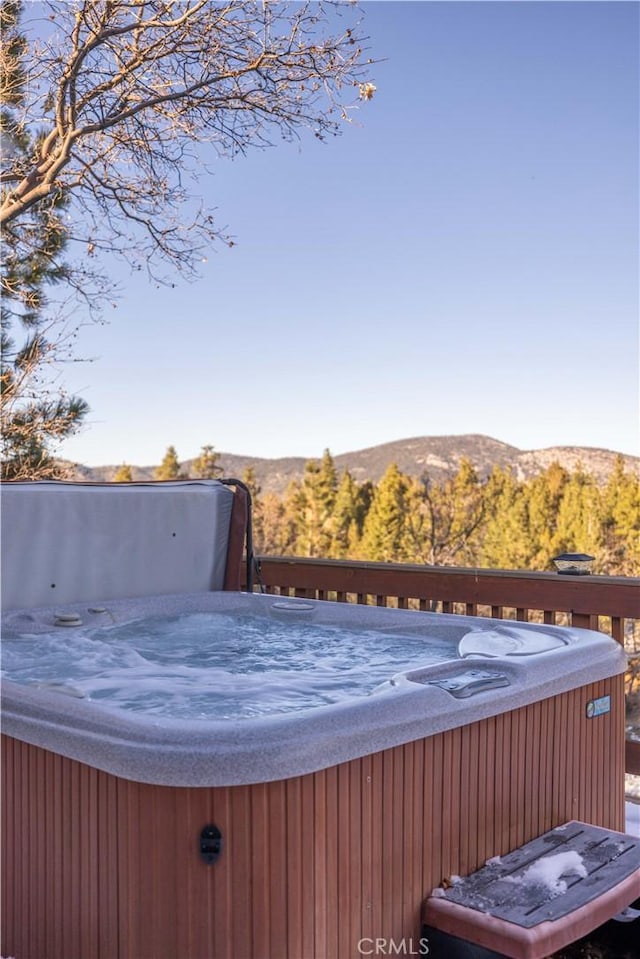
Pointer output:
x,y
17,908
107,852
394,835
577,769
307,919
320,863
378,845
310,865
512,735
415,817
447,824
432,864
467,799
560,789
259,917
347,876
481,837
544,780
594,781
364,771
296,851
7,849
276,878
331,840
58,802
387,852
349,799
501,795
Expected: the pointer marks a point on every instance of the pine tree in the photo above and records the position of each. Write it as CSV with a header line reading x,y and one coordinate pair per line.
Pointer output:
x,y
312,503
445,518
620,524
35,415
276,533
251,482
544,497
501,523
206,465
384,536
169,469
578,525
123,474
347,518
505,539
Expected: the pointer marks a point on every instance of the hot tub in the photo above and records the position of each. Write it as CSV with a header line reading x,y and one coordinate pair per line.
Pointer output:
x,y
280,827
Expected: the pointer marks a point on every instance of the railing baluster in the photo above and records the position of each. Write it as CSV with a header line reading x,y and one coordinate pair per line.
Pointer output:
x,y
584,620
632,757
617,629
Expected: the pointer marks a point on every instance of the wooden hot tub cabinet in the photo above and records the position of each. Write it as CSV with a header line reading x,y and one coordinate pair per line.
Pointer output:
x,y
99,867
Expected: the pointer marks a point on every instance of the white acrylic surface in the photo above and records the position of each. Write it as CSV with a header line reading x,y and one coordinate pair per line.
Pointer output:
x,y
154,748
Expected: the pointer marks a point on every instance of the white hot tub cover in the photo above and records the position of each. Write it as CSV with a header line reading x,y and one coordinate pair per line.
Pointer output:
x,y
69,542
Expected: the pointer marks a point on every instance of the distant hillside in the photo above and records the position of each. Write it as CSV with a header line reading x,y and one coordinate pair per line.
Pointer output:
x,y
439,456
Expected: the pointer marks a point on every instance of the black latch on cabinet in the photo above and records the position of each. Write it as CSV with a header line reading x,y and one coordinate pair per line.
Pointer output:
x,y
210,844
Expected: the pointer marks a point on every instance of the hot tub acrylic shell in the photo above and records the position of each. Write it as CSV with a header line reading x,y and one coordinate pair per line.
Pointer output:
x,y
334,825
164,751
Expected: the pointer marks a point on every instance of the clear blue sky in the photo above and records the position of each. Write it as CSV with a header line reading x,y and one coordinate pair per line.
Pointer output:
x,y
464,259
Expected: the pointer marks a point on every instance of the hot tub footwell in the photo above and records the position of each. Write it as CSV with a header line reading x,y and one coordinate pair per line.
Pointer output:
x,y
319,865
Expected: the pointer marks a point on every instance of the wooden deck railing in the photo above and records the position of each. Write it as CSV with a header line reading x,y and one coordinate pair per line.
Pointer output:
x,y
608,603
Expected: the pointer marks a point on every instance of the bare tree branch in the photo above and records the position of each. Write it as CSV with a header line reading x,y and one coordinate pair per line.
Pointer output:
x,y
134,96
111,111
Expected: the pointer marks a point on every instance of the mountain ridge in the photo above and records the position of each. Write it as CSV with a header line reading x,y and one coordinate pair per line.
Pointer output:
x,y
439,456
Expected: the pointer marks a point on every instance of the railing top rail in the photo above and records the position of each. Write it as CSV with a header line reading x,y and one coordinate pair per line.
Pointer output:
x,y
592,594
448,570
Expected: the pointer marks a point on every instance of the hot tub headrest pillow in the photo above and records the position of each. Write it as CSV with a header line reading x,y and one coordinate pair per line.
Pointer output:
x,y
73,542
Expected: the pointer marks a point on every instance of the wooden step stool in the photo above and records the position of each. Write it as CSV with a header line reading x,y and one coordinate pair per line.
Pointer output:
x,y
540,897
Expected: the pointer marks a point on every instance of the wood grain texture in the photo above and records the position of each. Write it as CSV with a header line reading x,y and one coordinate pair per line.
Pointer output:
x,y
97,867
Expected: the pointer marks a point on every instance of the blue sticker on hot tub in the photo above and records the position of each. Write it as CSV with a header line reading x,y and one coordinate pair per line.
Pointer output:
x,y
598,707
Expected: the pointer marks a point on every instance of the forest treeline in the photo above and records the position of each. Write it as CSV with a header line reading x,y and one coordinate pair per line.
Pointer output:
x,y
493,522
